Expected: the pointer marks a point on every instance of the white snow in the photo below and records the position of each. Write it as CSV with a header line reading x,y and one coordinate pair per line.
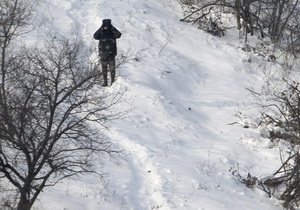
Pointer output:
x,y
183,89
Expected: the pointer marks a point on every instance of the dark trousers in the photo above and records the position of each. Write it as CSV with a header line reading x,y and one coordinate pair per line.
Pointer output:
x,y
111,67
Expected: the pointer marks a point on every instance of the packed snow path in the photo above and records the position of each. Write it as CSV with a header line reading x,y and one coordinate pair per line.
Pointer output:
x,y
145,185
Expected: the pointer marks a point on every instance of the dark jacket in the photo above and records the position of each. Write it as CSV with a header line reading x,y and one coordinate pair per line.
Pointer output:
x,y
107,40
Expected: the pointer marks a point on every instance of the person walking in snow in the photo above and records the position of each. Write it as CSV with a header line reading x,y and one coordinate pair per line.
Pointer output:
x,y
107,35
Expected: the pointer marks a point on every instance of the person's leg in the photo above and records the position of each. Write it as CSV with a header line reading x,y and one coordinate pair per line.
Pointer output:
x,y
112,68
104,72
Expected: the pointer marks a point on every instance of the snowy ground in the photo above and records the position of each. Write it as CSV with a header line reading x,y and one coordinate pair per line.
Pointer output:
x,y
181,137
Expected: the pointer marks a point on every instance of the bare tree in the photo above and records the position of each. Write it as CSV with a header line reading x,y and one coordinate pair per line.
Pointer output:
x,y
50,106
46,130
14,20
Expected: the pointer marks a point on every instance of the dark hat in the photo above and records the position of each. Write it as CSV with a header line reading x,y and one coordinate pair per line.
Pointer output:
x,y
106,22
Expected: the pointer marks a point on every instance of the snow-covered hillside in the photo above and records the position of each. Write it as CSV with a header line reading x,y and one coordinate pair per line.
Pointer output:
x,y
181,141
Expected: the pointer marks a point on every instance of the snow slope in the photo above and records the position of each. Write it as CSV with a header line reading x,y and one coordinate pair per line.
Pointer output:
x,y
181,139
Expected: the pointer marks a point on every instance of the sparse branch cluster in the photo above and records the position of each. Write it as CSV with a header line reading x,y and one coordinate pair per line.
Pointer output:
x,y
278,20
280,118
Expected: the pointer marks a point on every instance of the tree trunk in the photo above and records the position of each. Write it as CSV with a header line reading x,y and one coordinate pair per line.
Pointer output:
x,y
26,205
25,202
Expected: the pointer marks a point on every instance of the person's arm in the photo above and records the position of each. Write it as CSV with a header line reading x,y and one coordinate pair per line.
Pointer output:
x,y
97,34
116,33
